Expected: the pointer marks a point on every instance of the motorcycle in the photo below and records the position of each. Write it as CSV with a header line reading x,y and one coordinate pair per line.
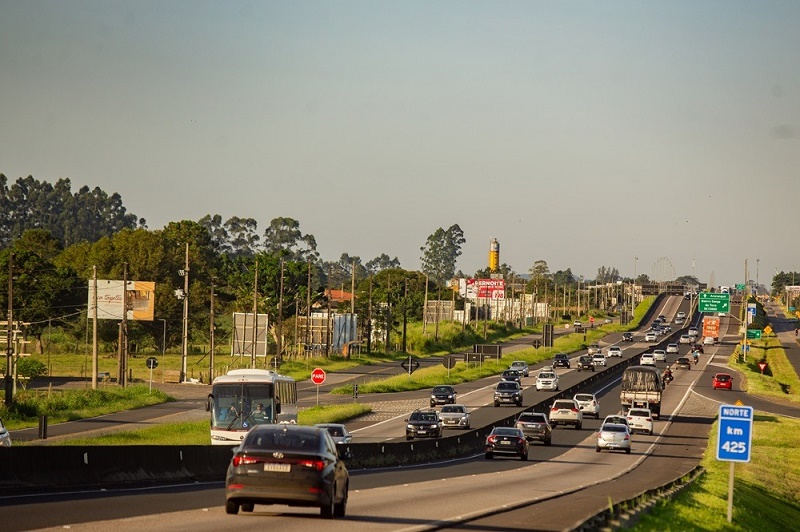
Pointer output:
x,y
667,376
696,358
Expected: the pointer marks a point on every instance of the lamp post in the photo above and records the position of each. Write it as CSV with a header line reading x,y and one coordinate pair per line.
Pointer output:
x,y
164,338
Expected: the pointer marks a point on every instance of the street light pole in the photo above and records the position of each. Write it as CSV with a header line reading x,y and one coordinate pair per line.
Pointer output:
x,y
164,338
185,341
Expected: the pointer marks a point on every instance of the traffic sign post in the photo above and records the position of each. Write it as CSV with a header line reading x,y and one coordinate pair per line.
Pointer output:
x,y
713,302
754,334
734,440
152,363
762,366
318,377
410,364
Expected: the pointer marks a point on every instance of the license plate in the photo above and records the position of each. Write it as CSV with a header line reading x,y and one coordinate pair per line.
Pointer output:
x,y
506,443
278,468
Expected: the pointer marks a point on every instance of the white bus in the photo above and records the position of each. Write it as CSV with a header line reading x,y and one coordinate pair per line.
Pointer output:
x,y
246,397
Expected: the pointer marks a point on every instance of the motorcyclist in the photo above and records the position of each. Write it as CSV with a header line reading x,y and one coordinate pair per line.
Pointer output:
x,y
695,356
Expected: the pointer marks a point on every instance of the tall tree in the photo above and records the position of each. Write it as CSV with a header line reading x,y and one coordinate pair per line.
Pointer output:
x,y
607,275
382,262
441,251
283,237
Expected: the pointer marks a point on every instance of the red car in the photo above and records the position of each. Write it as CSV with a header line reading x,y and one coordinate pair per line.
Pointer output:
x,y
722,380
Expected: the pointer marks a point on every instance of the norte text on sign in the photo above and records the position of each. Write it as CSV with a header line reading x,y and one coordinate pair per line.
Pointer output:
x,y
318,376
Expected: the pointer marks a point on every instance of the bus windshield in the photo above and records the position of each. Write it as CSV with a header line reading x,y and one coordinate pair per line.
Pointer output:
x,y
240,406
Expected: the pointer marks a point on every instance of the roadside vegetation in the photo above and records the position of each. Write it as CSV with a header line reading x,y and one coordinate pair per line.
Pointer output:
x,y
197,432
70,405
779,380
765,489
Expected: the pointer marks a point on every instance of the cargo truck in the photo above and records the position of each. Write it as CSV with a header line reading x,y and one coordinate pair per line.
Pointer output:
x,y
642,388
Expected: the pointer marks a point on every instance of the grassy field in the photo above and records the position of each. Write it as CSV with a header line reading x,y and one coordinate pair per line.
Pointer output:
x,y
766,490
779,380
197,432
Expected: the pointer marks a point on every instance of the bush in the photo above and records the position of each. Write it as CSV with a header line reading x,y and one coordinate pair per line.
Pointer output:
x,y
30,368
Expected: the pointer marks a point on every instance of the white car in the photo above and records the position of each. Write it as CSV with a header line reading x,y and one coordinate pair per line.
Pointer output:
x,y
547,380
672,349
651,337
680,314
693,332
647,359
598,360
709,340
588,404
338,432
614,351
685,339
545,369
640,420
5,437
659,355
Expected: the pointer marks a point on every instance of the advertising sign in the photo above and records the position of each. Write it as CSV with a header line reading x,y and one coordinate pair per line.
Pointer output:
x,y
485,289
141,300
711,326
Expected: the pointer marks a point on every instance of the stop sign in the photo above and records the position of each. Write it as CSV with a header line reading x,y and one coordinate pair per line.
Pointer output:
x,y
318,376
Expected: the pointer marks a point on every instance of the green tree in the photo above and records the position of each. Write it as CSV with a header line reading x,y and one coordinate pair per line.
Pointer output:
x,y
440,253
30,368
381,262
283,236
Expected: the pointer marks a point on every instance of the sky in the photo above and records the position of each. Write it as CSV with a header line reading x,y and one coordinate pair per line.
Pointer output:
x,y
651,137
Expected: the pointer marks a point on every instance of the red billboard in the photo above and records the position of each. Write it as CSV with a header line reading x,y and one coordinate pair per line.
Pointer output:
x,y
486,289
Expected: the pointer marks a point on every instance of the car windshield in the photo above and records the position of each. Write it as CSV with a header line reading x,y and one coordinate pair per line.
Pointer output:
x,y
424,417
518,364
452,408
563,404
544,375
507,386
441,389
639,413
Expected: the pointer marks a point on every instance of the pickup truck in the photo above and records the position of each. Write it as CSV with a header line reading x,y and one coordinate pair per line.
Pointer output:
x,y
641,388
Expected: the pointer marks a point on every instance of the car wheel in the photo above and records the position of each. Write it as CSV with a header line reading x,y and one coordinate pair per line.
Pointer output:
x,y
489,456
627,451
433,404
578,426
409,438
326,510
231,507
248,506
597,449
340,508
548,441
524,457
496,403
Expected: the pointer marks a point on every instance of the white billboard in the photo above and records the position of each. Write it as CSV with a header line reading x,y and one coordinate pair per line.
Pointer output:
x,y
110,296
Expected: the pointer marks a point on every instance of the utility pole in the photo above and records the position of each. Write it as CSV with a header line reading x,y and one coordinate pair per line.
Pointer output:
x,y
94,328
425,307
185,341
369,317
405,313
388,311
279,347
211,337
123,359
353,290
308,306
255,318
9,326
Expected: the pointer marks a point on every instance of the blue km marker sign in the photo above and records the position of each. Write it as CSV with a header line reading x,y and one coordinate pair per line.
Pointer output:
x,y
735,433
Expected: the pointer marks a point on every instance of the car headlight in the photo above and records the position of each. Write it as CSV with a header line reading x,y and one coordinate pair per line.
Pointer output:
x,y
410,427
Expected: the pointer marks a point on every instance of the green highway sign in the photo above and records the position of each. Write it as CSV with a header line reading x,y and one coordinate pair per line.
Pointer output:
x,y
754,334
740,286
713,302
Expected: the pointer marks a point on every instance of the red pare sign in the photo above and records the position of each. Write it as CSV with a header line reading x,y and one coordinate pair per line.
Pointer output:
x,y
318,376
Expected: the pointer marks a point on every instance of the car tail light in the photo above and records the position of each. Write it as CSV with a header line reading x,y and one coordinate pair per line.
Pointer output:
x,y
243,459
316,465
554,409
650,419
492,439
627,437
574,409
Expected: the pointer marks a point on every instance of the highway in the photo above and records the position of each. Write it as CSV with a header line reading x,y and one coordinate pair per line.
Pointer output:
x,y
469,493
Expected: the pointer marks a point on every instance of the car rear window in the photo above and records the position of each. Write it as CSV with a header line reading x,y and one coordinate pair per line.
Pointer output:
x,y
613,428
279,439
583,397
506,432
563,404
531,418
640,413
723,378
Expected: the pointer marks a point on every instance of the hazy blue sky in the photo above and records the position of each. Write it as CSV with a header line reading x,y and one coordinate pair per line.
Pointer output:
x,y
581,133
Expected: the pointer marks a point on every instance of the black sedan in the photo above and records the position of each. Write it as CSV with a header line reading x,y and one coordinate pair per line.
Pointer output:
x,y
683,362
506,440
287,464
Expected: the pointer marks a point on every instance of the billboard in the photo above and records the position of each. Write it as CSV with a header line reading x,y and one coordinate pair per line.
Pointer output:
x,y
711,326
249,335
110,296
484,289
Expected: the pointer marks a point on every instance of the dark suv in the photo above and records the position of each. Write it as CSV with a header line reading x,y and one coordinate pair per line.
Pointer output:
x,y
561,360
423,424
627,337
508,392
443,395
585,362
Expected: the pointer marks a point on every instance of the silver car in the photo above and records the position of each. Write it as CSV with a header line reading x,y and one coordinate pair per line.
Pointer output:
x,y
614,437
521,366
454,416
588,404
